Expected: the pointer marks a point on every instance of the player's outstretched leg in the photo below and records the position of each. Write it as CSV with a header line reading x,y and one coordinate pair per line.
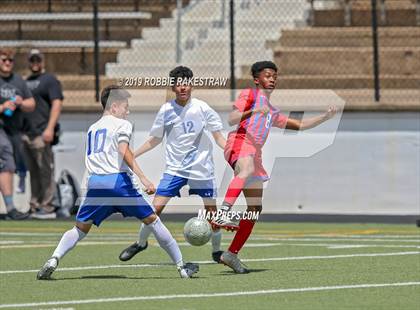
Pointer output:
x,y
230,257
67,242
216,238
253,196
244,168
169,244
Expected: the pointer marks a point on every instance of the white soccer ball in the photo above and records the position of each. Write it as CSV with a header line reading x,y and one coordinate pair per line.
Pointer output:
x,y
197,231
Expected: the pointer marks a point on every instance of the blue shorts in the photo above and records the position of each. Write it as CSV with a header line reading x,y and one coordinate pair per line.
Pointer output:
x,y
112,193
170,185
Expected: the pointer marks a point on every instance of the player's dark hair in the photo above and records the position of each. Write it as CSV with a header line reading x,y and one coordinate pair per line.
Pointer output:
x,y
113,93
260,66
181,72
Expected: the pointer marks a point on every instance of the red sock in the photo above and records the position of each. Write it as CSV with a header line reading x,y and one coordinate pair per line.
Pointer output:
x,y
245,229
234,190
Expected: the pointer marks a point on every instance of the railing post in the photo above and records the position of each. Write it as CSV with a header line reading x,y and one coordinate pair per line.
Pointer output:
x,y
311,15
375,51
418,12
232,49
178,31
347,13
96,47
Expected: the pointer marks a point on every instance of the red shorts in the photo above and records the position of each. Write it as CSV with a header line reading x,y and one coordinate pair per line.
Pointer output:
x,y
239,146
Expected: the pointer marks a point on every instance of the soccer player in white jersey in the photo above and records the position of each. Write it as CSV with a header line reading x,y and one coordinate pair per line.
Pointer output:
x,y
186,122
111,185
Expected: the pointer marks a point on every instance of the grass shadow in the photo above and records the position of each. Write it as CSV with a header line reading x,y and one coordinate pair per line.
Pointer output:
x,y
118,277
231,272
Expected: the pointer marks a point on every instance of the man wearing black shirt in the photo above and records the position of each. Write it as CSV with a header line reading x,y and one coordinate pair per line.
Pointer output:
x,y
39,135
15,98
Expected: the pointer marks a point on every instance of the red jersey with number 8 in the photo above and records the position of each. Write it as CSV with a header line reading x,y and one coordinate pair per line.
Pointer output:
x,y
257,126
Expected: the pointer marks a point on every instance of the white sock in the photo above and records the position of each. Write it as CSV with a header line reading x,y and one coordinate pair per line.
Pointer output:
x,y
68,242
166,241
144,234
216,240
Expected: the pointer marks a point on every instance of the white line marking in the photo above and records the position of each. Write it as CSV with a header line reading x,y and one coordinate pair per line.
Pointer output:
x,y
413,236
329,256
292,258
47,245
11,242
43,244
329,245
225,294
341,239
59,234
382,238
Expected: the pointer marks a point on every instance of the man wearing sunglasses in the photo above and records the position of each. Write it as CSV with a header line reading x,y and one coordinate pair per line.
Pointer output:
x,y
40,134
15,98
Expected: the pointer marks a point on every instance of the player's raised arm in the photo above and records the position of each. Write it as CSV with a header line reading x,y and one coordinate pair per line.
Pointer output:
x,y
242,109
312,122
236,116
128,157
151,143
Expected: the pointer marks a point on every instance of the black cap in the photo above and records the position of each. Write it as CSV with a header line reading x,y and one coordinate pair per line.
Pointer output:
x,y
35,54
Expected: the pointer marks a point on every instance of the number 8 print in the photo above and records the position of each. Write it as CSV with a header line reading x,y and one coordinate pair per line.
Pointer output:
x,y
268,121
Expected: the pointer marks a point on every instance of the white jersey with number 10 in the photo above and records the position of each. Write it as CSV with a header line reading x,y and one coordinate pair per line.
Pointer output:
x,y
102,156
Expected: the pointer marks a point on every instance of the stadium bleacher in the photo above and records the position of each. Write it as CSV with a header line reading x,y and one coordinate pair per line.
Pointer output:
x,y
53,6
358,13
138,38
304,55
205,38
63,30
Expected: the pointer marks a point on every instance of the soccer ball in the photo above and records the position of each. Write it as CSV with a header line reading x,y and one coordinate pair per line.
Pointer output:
x,y
197,231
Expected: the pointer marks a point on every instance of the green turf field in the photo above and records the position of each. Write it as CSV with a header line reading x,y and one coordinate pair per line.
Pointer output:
x,y
294,266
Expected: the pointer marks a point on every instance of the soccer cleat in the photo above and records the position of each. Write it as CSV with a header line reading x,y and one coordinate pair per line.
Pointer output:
x,y
222,220
16,215
225,223
131,251
216,256
48,268
188,270
231,260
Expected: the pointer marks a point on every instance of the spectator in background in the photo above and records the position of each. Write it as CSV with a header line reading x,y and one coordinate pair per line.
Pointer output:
x,y
15,98
41,127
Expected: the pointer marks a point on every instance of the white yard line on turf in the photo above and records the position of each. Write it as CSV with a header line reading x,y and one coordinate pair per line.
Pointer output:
x,y
212,295
339,239
41,244
292,258
413,236
59,234
11,242
329,245
384,238
54,244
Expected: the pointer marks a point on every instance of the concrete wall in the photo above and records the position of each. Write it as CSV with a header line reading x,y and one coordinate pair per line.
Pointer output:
x,y
372,166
